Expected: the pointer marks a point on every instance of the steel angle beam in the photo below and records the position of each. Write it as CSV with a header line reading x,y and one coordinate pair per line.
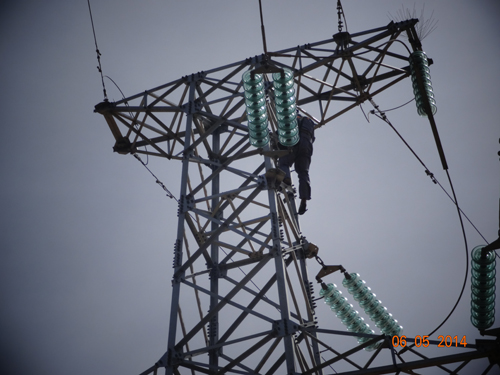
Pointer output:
x,y
326,71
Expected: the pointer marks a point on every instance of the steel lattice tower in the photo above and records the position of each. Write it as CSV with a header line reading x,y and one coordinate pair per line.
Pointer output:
x,y
242,299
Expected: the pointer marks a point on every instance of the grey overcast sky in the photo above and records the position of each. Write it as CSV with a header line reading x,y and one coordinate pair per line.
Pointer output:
x,y
87,235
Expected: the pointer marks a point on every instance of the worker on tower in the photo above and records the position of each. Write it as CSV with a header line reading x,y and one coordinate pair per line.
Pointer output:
x,y
300,155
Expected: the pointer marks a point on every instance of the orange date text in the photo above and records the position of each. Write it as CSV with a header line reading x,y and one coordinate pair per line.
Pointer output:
x,y
423,341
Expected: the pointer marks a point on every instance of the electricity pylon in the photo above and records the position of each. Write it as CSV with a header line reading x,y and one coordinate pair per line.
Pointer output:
x,y
242,299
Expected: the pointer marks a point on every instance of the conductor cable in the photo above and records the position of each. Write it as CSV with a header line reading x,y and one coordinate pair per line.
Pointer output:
x,y
99,67
169,194
383,117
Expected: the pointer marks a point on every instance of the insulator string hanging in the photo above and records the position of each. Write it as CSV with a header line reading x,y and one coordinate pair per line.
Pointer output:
x,y
373,307
483,278
286,108
419,65
346,313
255,101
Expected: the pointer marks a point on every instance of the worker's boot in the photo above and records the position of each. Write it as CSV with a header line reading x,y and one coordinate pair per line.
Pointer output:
x,y
303,207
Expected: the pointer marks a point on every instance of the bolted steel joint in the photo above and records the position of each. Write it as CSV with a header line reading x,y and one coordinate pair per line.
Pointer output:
x,y
284,327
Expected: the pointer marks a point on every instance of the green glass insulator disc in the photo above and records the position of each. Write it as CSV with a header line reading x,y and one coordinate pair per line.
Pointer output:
x,y
257,118
343,310
259,142
378,313
335,298
284,98
356,325
278,86
285,101
255,104
252,97
258,127
289,142
288,133
349,317
283,125
348,282
483,322
256,111
252,79
254,87
257,134
369,304
280,77
421,109
477,256
327,292
286,111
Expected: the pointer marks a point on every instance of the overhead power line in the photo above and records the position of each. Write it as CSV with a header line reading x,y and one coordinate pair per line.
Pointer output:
x,y
99,67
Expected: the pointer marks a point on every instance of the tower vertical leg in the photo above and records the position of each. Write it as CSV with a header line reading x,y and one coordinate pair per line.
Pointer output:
x,y
214,253
171,354
283,292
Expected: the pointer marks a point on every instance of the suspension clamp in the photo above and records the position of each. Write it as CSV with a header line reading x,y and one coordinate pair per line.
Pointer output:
x,y
326,270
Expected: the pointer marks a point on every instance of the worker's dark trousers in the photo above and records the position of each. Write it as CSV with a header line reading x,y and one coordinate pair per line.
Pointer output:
x,y
301,157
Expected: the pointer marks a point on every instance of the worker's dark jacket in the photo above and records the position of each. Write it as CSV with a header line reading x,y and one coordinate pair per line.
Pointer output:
x,y
301,157
306,131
